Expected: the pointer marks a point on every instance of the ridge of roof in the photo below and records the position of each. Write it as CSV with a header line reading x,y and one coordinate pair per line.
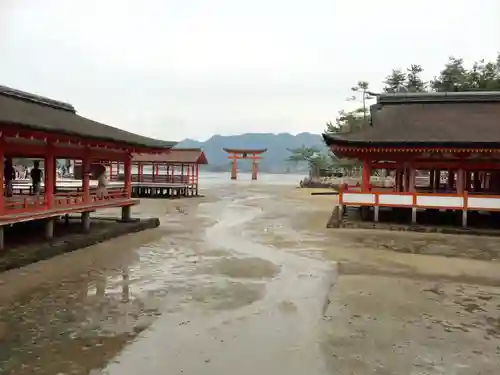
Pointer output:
x,y
38,99
439,97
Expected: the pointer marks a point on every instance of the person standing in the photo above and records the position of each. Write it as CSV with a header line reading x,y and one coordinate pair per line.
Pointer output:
x,y
36,178
102,184
9,174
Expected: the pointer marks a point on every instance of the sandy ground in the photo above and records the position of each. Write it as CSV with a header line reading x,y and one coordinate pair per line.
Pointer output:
x,y
248,280
412,303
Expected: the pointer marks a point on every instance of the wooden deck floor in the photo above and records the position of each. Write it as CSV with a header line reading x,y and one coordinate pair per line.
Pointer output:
x,y
34,211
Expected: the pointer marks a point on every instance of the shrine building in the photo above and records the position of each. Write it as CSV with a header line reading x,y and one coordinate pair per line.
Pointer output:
x,y
451,139
36,127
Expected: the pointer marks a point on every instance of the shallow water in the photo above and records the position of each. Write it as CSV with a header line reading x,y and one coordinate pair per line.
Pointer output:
x,y
273,328
204,294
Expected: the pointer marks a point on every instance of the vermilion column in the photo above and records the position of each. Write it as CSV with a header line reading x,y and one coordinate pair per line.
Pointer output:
x,y
234,175
2,197
412,179
460,181
254,170
86,177
365,176
128,175
197,177
50,176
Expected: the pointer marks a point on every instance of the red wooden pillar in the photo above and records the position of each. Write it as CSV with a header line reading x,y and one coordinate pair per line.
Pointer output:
x,y
128,175
254,169
50,177
188,173
197,175
182,173
365,176
2,196
139,172
460,181
86,176
234,167
54,179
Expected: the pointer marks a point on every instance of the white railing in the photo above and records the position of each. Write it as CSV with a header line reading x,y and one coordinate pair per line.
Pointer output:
x,y
464,201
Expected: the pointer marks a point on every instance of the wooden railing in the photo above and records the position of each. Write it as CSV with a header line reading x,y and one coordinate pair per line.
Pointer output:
x,y
26,204
449,201
110,194
69,199
175,179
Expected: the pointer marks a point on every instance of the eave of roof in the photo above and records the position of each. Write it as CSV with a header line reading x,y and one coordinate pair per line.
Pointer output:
x,y
336,141
246,150
174,156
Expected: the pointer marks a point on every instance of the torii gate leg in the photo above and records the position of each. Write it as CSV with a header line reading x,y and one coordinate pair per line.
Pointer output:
x,y
233,170
254,170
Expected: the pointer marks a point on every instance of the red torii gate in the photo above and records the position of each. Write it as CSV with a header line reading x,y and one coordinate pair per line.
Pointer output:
x,y
238,153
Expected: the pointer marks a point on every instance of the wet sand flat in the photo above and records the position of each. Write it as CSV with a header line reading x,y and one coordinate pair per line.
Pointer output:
x,y
248,280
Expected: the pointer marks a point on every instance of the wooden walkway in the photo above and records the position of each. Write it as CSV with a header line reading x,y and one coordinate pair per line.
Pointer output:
x,y
139,189
30,209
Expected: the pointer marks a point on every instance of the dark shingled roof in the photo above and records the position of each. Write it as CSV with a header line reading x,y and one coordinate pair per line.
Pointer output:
x,y
39,113
454,119
174,156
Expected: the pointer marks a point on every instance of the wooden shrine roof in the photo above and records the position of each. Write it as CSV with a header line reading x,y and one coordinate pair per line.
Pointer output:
x,y
245,150
429,119
174,156
39,113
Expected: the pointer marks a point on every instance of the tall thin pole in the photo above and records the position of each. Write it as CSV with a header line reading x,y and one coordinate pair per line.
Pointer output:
x,y
364,106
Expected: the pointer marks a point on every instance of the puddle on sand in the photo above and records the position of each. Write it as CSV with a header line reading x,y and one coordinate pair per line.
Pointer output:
x,y
265,320
246,268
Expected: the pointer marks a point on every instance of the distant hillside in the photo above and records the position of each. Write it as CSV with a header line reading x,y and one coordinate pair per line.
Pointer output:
x,y
274,159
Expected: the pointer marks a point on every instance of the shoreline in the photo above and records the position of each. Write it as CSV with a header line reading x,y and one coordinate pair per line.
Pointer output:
x,y
33,251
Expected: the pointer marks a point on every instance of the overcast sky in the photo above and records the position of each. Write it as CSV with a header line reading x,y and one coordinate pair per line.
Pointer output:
x,y
192,68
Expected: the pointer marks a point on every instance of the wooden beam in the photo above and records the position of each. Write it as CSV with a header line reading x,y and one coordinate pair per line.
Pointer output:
x,y
467,165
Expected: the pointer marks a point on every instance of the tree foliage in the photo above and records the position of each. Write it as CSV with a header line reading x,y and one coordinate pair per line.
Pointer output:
x,y
455,76
316,160
482,76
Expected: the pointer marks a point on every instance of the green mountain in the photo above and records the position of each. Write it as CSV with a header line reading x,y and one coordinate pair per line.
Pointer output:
x,y
274,160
